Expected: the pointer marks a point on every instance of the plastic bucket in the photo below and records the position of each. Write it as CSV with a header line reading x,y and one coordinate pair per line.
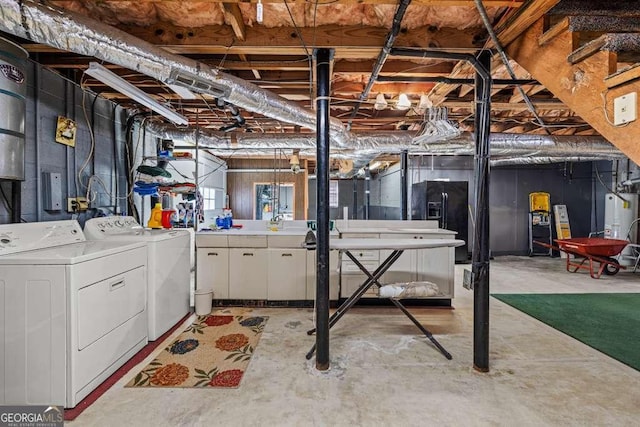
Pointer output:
x,y
203,301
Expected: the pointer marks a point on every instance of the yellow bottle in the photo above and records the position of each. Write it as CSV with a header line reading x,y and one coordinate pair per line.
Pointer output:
x,y
155,220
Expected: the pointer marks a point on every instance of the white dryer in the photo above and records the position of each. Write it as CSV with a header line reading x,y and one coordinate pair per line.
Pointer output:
x,y
73,311
168,265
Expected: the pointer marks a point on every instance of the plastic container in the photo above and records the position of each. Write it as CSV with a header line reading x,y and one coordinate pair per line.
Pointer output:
x,y
203,301
155,219
168,218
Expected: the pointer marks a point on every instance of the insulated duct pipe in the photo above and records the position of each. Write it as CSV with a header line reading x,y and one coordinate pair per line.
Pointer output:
x,y
542,160
382,56
369,143
73,32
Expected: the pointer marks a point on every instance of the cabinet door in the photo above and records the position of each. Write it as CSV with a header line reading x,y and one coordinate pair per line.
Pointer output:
x,y
436,265
248,273
213,271
287,274
334,275
404,269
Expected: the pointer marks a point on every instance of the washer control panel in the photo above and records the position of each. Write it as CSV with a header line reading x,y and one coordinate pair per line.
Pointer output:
x,y
97,228
24,237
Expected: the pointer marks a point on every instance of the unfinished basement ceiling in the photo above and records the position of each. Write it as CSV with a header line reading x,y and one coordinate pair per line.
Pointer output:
x,y
276,55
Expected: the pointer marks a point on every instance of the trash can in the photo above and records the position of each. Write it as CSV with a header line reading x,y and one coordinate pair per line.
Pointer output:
x,y
203,301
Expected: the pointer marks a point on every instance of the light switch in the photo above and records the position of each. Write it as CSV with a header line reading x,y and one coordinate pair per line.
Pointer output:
x,y
624,109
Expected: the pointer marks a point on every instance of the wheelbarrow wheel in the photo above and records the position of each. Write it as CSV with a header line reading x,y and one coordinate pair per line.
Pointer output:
x,y
611,269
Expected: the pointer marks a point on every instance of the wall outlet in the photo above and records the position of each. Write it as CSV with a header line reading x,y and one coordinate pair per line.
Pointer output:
x,y
77,204
624,109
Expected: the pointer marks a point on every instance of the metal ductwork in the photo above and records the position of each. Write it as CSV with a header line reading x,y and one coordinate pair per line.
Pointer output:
x,y
542,160
373,143
73,32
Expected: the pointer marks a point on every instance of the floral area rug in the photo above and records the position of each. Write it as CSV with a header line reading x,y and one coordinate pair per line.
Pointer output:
x,y
213,352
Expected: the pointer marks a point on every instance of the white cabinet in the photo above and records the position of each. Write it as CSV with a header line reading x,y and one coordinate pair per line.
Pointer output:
x,y
436,265
287,274
213,271
248,273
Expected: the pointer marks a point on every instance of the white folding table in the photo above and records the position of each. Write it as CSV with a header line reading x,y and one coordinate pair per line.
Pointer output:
x,y
397,247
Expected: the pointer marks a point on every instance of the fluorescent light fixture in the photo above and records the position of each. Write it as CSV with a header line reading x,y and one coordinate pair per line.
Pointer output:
x,y
403,102
183,92
116,82
380,103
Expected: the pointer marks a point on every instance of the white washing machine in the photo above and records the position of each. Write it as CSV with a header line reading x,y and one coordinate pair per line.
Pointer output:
x,y
73,311
168,266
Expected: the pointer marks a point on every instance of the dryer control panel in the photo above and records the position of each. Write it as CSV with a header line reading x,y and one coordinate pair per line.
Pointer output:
x,y
24,237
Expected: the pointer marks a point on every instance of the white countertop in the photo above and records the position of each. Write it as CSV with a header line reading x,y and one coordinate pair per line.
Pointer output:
x,y
368,243
243,232
398,230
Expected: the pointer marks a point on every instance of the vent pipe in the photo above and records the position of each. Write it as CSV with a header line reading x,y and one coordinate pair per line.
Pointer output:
x,y
73,32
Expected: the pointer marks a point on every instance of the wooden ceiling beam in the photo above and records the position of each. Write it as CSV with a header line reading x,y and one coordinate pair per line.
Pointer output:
x,y
507,32
437,3
349,41
233,16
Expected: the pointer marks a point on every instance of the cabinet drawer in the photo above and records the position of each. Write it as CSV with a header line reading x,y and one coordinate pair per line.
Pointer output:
x,y
285,241
251,241
211,241
348,267
360,255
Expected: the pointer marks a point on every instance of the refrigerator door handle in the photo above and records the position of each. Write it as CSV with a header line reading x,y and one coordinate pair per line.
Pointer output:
x,y
444,209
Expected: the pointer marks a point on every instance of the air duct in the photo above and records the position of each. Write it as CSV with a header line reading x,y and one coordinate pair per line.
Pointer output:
x,y
368,143
73,32
542,160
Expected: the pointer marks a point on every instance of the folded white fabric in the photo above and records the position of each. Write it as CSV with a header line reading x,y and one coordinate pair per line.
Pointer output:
x,y
409,290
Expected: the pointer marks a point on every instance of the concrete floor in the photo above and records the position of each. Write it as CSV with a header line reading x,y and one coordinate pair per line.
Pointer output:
x,y
383,373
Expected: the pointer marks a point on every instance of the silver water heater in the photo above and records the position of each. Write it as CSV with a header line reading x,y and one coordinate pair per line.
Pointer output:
x,y
13,92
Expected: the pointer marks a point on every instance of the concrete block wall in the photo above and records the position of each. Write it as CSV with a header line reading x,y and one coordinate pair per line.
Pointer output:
x,y
49,95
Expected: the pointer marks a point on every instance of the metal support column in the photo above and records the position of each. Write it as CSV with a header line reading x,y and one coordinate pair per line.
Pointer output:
x,y
404,173
16,201
367,191
323,58
354,214
480,260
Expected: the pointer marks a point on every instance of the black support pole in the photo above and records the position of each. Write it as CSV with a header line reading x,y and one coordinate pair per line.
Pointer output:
x,y
480,261
367,191
354,214
323,58
16,201
404,174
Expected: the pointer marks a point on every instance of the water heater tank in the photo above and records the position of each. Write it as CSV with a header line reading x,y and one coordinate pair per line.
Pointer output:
x,y
619,212
13,91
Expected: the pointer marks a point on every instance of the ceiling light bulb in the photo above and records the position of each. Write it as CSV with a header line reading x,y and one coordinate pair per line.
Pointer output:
x,y
425,102
259,11
403,102
380,103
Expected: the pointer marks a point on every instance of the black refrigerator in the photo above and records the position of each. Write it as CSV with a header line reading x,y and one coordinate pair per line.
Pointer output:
x,y
448,203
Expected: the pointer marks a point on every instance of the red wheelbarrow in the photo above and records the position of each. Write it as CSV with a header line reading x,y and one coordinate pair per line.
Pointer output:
x,y
591,249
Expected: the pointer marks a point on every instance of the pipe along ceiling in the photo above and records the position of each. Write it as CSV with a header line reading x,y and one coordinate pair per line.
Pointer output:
x,y
73,32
